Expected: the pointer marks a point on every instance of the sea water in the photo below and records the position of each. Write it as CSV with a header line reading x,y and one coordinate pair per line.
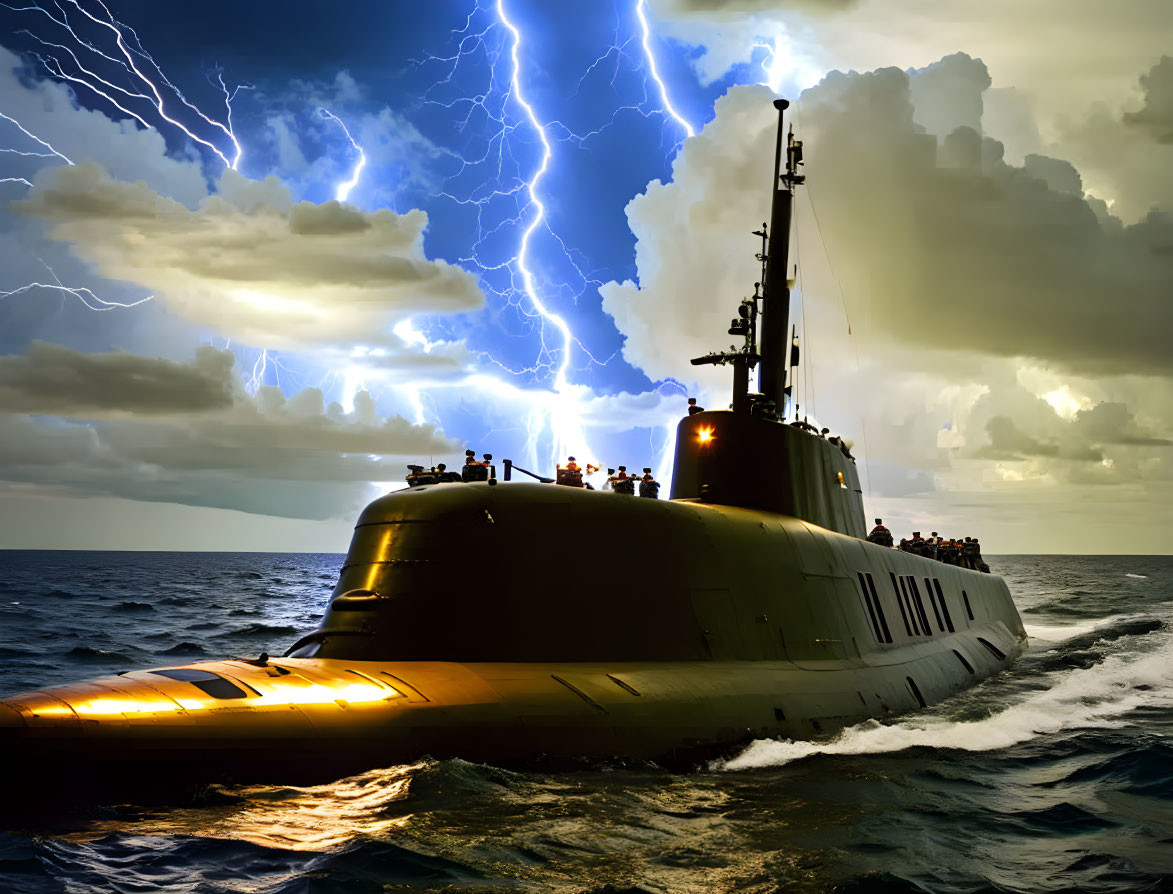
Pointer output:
x,y
1056,775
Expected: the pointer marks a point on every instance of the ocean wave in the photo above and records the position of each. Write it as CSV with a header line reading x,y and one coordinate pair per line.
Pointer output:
x,y
263,630
134,607
1097,696
86,654
184,648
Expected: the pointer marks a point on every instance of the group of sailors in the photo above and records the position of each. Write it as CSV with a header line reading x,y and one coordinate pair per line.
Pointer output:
x,y
619,481
473,470
965,553
568,475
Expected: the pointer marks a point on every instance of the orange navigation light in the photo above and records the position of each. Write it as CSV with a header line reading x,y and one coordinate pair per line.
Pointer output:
x,y
705,435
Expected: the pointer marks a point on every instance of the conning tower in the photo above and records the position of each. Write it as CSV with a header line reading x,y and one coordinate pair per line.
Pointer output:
x,y
748,455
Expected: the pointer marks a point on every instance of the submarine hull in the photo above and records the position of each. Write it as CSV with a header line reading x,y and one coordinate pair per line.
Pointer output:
x,y
735,624
114,733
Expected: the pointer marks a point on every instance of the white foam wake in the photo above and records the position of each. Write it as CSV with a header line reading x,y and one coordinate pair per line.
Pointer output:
x,y
1097,696
1058,634
1137,576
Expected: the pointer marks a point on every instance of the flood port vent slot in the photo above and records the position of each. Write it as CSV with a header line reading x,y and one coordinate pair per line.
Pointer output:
x,y
867,600
944,605
964,663
779,714
920,605
916,692
586,698
900,604
395,693
965,599
994,650
875,610
622,685
914,619
933,602
879,609
405,687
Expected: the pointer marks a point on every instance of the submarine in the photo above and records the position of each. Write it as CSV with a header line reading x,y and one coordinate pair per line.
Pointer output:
x,y
468,621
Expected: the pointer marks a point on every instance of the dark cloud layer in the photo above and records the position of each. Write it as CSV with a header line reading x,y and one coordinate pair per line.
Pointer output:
x,y
940,241
1157,115
51,379
188,433
960,250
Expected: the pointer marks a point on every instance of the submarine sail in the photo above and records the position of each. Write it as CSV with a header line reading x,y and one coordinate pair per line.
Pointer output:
x,y
461,625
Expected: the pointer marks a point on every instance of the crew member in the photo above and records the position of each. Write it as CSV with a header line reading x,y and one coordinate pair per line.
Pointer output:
x,y
969,553
693,409
931,545
570,474
649,486
473,470
880,535
981,565
624,484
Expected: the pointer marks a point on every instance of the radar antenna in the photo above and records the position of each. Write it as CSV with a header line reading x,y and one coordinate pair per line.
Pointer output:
x,y
775,299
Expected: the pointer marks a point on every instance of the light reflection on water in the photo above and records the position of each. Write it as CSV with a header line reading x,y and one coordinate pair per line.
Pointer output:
x,y
314,818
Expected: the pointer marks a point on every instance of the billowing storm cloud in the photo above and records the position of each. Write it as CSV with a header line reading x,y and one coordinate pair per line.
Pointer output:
x,y
250,263
152,429
940,244
54,380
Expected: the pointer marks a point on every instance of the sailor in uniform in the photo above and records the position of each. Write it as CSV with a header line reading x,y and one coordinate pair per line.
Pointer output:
x,y
880,535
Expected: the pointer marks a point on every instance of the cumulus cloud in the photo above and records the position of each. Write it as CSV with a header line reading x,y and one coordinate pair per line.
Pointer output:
x,y
945,248
251,263
55,380
1127,156
149,429
1085,54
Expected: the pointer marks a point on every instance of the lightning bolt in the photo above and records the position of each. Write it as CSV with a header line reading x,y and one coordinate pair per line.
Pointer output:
x,y
568,429
32,136
82,294
497,43
118,70
654,72
112,92
128,48
780,61
343,189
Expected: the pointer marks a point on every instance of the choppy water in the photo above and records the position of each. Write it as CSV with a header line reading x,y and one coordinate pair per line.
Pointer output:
x,y
1054,776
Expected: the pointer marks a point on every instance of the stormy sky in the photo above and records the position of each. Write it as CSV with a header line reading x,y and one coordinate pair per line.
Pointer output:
x,y
258,257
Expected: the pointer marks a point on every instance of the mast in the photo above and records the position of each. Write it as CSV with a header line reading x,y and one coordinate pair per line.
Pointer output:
x,y
776,302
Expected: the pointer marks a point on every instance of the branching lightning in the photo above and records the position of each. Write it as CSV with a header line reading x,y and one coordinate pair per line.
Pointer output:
x,y
93,52
32,136
643,23
342,191
500,42
84,295
123,59
108,90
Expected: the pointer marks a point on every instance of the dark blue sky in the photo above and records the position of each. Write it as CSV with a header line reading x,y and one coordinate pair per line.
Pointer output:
x,y
610,138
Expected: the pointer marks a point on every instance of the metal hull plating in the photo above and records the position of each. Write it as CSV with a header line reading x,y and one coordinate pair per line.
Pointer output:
x,y
734,624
